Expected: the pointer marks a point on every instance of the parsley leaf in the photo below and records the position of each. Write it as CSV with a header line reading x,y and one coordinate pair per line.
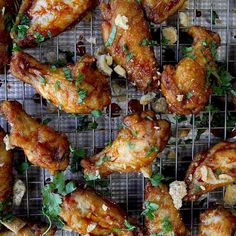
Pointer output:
x,y
102,160
82,95
111,36
151,150
129,226
39,37
16,47
46,121
130,145
85,124
166,225
96,113
68,73
150,207
148,42
156,179
77,155
129,56
91,176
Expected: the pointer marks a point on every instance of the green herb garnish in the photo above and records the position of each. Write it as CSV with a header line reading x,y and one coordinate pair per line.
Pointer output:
x,y
150,207
102,160
22,167
130,145
129,56
57,85
96,113
68,73
76,156
39,37
82,95
166,225
156,179
148,42
151,150
111,36
43,80
16,47
46,121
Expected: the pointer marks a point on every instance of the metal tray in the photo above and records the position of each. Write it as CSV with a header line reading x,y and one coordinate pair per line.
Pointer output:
x,y
127,189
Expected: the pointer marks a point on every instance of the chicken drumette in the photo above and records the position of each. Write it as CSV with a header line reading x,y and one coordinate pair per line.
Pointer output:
x,y
163,217
39,20
42,145
128,40
159,10
211,169
217,222
80,88
137,144
186,86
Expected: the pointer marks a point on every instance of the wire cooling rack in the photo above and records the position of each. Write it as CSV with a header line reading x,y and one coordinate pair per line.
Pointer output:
x,y
128,189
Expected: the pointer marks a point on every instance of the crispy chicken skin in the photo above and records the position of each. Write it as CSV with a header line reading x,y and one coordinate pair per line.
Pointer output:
x,y
211,169
160,196
217,222
86,212
126,49
47,18
185,86
21,227
61,91
158,11
42,145
6,162
137,144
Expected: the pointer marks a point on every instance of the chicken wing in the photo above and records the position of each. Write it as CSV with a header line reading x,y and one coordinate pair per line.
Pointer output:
x,y
39,20
127,37
86,212
42,145
158,11
211,169
6,162
80,88
137,144
23,228
166,219
217,222
185,87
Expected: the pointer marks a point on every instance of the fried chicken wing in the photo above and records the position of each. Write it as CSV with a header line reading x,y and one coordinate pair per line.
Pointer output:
x,y
127,37
39,20
42,145
217,222
20,227
158,11
86,212
80,88
185,87
137,144
211,169
165,212
6,181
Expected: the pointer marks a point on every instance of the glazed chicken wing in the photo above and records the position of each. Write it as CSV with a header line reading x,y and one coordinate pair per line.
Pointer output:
x,y
164,212
158,11
185,87
127,37
6,162
137,144
23,228
217,222
80,88
86,212
39,20
211,169
42,145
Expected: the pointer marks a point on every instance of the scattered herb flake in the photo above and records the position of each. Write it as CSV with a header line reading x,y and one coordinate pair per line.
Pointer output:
x,y
39,37
82,95
130,145
68,73
151,150
96,113
111,36
102,160
129,56
150,207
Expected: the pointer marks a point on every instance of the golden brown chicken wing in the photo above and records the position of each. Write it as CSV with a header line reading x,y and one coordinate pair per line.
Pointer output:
x,y
217,222
137,144
80,88
39,20
211,169
161,216
127,37
42,145
159,10
185,87
86,212
20,227
6,162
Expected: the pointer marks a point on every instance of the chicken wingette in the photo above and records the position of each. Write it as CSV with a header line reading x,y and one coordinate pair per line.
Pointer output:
x,y
6,180
19,227
135,147
211,169
158,11
78,88
217,222
42,145
186,86
161,216
128,40
39,20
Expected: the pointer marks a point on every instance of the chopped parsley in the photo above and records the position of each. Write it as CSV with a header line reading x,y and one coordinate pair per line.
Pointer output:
x,y
134,132
79,79
156,179
68,73
166,225
151,150
16,47
189,52
22,167
23,27
128,226
76,156
111,36
53,194
130,145
148,42
91,176
125,48
129,56
39,37
189,95
57,85
102,160
46,121
96,113
43,80
85,124
82,93
150,207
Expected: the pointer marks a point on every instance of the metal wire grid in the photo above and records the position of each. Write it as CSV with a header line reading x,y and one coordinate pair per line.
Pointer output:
x,y
125,189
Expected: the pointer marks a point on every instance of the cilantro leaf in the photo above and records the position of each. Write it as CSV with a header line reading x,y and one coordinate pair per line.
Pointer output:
x,y
150,207
156,179
77,155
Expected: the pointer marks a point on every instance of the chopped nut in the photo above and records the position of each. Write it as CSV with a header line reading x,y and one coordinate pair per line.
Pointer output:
x,y
170,34
147,98
122,22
